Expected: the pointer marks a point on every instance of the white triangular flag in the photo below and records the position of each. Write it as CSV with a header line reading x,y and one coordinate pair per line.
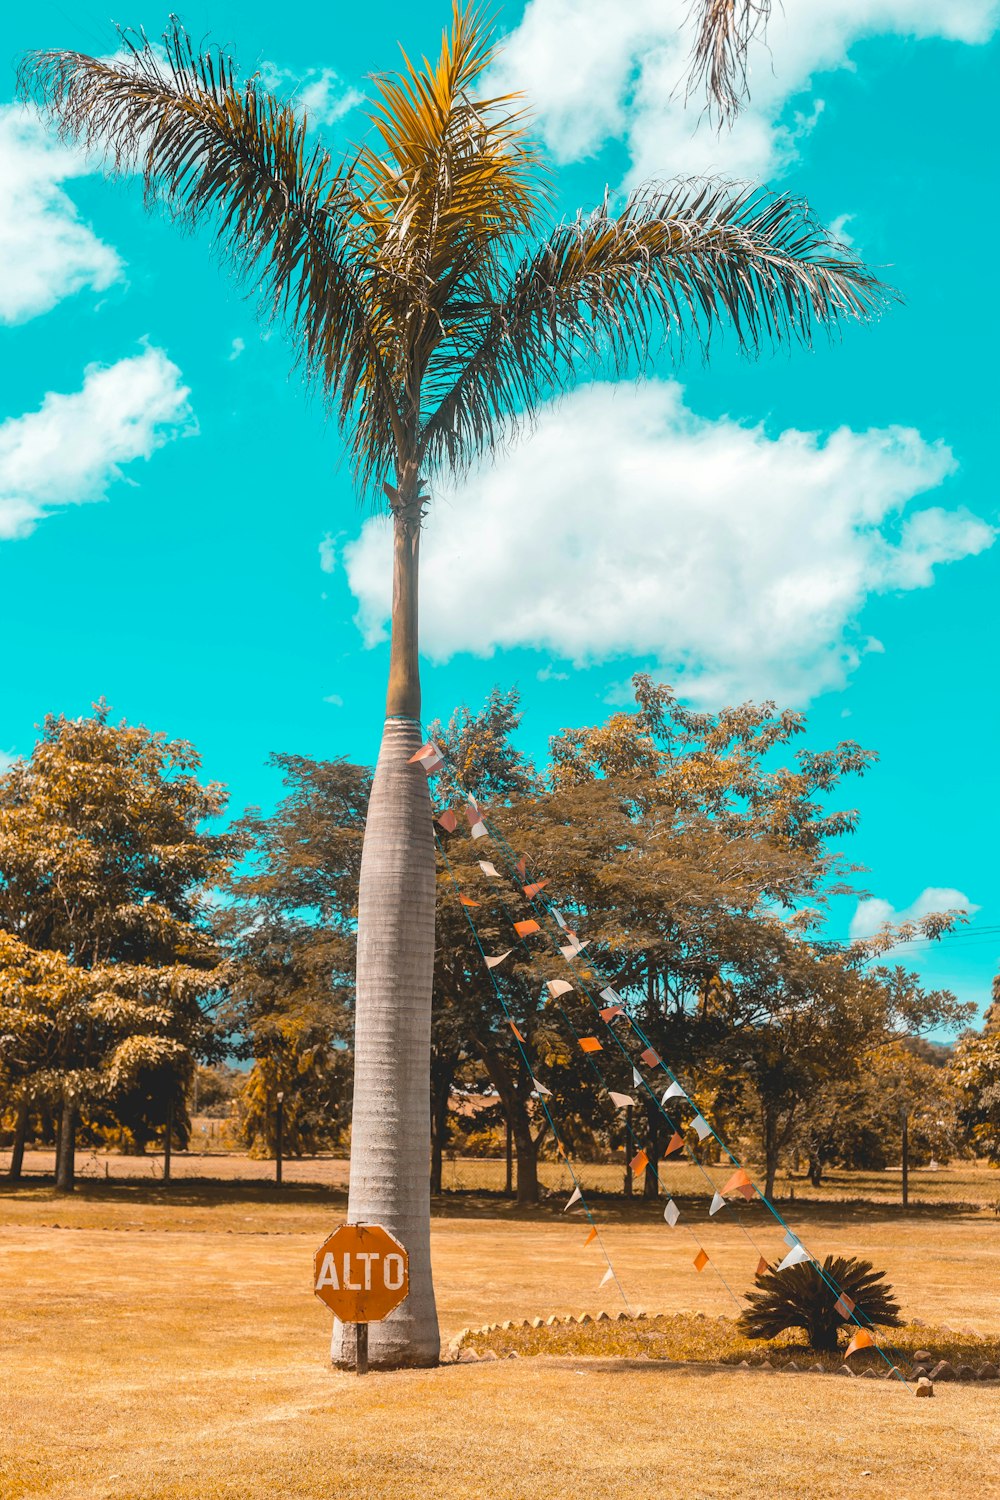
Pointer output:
x,y
559,986
621,1101
674,1092
611,997
540,1088
608,1276
636,1078
795,1257
559,918
570,950
577,1195
702,1126
478,830
489,869
491,963
671,1213
717,1202
790,1238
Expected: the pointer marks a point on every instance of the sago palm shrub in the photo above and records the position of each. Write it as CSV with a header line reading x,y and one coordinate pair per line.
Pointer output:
x,y
431,296
799,1297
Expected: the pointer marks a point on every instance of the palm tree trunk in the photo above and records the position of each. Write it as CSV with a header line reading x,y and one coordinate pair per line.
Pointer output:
x,y
66,1150
20,1135
390,1132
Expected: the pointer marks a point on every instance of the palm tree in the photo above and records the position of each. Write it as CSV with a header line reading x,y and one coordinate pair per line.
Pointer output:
x,y
436,307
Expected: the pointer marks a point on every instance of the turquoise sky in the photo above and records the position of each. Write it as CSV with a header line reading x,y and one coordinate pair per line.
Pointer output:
x,y
178,531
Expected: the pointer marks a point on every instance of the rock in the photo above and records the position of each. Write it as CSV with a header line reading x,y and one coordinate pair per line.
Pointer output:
x,y
622,1317
767,1365
868,1374
584,1318
943,1371
817,1369
989,1372
526,1322
846,1370
791,1365
506,1325
892,1372
917,1323
919,1370
971,1332
699,1314
568,1319
923,1357
513,1354
966,1372
489,1354
722,1318
945,1329
468,1356
924,1387
538,1322
603,1317
744,1364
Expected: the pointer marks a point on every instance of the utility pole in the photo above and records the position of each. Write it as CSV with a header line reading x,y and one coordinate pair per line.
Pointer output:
x,y
279,1123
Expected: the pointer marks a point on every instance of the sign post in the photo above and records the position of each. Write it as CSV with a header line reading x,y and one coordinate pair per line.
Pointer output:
x,y
361,1272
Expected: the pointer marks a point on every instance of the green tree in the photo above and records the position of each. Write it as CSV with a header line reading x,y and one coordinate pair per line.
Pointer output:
x,y
975,1072
436,309
105,870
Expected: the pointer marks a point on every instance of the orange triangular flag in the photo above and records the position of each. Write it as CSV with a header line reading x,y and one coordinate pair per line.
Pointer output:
x,y
448,821
522,866
610,1011
649,1057
675,1143
843,1306
639,1162
590,1044
524,928
738,1183
861,1340
532,890
468,901
590,1238
515,1031
762,1267
700,1261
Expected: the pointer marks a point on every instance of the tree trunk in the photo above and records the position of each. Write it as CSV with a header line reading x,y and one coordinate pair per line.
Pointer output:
x,y
66,1152
519,1123
20,1135
770,1152
815,1171
442,1073
390,1131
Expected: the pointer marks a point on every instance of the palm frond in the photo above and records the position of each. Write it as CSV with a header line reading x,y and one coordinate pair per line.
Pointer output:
x,y
606,290
236,157
725,29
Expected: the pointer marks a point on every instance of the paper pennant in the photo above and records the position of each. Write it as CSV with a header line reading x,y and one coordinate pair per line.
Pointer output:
x,y
843,1306
532,890
650,1058
638,1163
559,986
515,1030
491,963
795,1257
525,929
702,1126
574,1198
671,1213
636,1078
478,830
673,1092
608,1276
717,1202
559,918
541,1089
675,1143
610,1011
590,1044
448,820
762,1267
790,1238
429,757
861,1340
488,869
522,866
468,901
611,996
591,1237
739,1183
700,1261
570,950
621,1101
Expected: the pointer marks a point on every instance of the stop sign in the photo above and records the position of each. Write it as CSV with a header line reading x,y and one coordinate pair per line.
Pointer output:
x,y
361,1272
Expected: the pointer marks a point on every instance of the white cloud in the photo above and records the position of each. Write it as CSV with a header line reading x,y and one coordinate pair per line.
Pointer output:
x,y
320,92
335,699
7,759
873,913
549,674
47,252
596,72
70,450
328,554
626,525
236,348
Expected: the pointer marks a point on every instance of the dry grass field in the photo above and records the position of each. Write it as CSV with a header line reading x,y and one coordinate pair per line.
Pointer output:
x,y
163,1344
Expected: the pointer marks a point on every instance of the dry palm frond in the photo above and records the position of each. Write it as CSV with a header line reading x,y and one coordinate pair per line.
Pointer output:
x,y
719,57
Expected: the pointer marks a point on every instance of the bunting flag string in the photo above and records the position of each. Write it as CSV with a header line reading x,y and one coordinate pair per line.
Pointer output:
x,y
572,950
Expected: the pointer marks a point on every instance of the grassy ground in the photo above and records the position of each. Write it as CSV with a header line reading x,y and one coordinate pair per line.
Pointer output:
x,y
162,1344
